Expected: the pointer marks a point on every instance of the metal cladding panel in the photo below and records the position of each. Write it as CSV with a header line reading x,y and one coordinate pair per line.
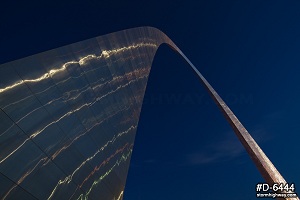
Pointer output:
x,y
69,116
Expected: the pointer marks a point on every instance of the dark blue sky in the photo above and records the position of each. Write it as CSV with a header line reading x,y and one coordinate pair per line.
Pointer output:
x,y
248,51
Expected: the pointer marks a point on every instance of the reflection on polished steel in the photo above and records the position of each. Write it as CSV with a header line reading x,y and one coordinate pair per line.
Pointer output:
x,y
69,117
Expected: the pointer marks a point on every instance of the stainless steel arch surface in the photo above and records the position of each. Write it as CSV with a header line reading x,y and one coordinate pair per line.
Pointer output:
x,y
68,117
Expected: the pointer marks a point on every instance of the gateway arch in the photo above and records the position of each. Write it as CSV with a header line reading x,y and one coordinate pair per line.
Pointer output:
x,y
69,116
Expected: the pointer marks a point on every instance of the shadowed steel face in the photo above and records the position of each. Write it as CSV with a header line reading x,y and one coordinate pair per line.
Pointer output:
x,y
69,117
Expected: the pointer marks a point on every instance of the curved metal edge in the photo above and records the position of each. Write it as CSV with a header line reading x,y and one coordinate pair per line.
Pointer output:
x,y
262,162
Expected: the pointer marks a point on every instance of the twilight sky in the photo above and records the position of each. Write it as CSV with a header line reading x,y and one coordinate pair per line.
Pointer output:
x,y
249,51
